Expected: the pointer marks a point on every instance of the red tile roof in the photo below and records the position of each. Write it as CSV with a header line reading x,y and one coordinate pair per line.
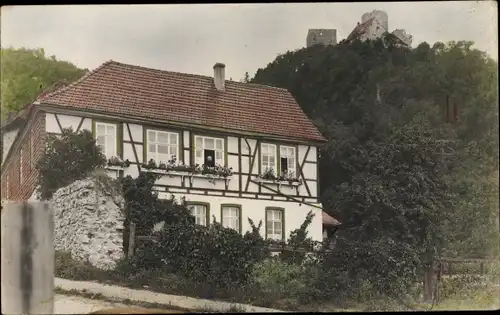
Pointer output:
x,y
329,220
117,88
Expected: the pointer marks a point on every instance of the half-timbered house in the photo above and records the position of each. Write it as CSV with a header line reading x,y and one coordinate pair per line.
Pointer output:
x,y
231,150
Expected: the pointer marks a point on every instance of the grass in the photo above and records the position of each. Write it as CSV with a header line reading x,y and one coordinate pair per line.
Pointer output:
x,y
148,305
485,298
459,292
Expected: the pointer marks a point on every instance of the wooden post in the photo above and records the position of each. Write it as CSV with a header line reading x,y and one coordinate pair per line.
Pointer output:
x,y
482,268
450,268
131,241
27,258
429,284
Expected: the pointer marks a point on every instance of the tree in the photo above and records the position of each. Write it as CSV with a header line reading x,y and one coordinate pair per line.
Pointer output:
x,y
383,171
27,72
246,78
67,158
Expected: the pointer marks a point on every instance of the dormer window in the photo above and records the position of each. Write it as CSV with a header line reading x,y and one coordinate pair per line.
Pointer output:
x,y
209,151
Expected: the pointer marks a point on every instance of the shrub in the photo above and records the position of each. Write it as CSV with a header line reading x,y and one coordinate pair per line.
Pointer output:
x,y
67,158
278,280
299,240
214,256
145,209
459,285
68,268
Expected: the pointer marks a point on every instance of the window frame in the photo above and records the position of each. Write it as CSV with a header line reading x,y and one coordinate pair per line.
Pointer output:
x,y
231,205
282,210
276,157
215,138
117,142
199,203
147,157
294,157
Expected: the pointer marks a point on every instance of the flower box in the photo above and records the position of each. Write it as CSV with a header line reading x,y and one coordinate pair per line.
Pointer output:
x,y
116,163
172,168
278,182
287,178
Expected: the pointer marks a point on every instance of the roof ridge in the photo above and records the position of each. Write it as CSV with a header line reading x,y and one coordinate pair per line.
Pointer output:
x,y
194,75
84,77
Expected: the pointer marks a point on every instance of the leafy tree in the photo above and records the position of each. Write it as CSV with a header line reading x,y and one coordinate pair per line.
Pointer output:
x,y
392,163
68,157
27,72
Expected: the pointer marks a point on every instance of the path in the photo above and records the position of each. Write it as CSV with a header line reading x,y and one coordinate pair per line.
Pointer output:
x,y
66,304
113,291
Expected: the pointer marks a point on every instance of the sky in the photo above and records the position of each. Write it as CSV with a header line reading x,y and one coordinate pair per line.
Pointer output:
x,y
191,38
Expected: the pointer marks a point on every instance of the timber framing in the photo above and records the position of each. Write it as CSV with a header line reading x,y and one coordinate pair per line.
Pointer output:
x,y
244,153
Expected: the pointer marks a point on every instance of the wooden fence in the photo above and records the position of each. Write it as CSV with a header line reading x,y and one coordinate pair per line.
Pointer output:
x,y
449,266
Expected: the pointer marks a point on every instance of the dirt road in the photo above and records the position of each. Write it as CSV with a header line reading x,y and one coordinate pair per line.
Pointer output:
x,y
65,304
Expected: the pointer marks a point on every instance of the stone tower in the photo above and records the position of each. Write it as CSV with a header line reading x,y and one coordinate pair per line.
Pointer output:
x,y
380,16
322,37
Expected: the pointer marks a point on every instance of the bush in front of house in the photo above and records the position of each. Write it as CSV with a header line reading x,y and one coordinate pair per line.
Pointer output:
x,y
214,256
68,157
68,268
278,279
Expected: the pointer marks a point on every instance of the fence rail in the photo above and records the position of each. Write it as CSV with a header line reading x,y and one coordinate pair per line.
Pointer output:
x,y
449,265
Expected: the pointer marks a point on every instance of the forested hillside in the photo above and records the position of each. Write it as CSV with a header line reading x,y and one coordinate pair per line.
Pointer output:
x,y
411,163
27,72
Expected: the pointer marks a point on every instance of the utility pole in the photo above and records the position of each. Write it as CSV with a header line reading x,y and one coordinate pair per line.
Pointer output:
x,y
27,258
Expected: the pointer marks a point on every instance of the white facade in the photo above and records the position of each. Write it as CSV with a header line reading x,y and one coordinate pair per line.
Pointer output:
x,y
243,190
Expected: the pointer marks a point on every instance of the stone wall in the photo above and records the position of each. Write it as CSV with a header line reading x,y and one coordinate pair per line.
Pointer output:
x,y
321,36
88,223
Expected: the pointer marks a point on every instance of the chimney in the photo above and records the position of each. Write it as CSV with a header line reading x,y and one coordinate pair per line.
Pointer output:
x,y
219,76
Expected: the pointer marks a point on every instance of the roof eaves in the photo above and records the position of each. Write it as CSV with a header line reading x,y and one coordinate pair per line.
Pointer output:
x,y
329,220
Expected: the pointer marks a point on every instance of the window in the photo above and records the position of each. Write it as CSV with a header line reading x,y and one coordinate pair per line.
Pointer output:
x,y
21,166
200,213
230,217
287,159
105,135
209,151
274,224
162,145
267,157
